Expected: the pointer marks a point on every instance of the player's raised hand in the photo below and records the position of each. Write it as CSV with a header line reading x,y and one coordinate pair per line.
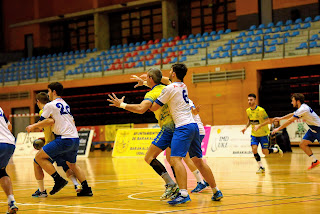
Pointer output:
x,y
243,130
196,110
275,131
114,100
256,128
138,79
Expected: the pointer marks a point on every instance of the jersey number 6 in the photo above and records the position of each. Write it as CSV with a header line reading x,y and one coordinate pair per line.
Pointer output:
x,y
185,96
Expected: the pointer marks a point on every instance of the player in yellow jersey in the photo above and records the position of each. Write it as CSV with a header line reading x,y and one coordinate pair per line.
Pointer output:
x,y
42,99
163,139
257,116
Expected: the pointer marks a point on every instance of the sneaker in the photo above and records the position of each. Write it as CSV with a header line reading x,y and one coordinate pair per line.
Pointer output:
x,y
58,186
279,150
180,200
200,186
314,164
217,196
39,194
78,188
261,170
170,191
12,208
85,192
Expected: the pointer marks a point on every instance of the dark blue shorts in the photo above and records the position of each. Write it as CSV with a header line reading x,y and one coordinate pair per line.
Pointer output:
x,y
264,141
184,138
62,149
311,136
163,139
6,151
60,162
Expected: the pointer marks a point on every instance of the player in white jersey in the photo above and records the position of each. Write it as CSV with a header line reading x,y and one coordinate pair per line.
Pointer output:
x,y
305,113
7,147
65,145
186,135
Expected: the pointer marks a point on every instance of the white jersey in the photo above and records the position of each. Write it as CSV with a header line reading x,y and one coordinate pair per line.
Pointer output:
x,y
64,125
309,116
176,96
197,119
5,134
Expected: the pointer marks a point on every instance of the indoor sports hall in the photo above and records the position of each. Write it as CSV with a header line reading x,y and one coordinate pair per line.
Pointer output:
x,y
252,87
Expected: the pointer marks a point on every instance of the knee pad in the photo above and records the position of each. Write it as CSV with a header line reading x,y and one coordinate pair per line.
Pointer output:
x,y
3,173
257,157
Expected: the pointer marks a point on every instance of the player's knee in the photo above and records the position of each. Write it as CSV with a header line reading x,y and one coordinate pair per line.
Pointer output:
x,y
35,162
3,173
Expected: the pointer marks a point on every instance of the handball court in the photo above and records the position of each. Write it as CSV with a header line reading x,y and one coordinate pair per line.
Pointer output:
x,y
129,185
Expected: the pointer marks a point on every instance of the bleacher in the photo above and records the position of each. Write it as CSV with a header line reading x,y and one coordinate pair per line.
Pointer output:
x,y
258,42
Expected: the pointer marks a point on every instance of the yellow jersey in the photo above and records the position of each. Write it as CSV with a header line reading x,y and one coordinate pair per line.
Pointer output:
x,y
258,116
48,134
162,114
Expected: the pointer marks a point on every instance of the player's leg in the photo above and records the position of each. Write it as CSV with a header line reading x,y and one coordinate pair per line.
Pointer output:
x,y
71,158
264,141
69,173
38,173
51,151
160,143
310,137
6,151
254,147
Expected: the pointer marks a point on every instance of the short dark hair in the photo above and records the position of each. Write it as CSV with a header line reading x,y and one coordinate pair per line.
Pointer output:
x,y
252,95
298,96
155,74
42,97
56,86
180,70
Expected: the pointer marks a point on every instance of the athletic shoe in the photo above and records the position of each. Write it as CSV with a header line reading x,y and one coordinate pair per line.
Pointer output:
x,y
12,208
170,190
58,186
279,150
85,192
78,188
217,196
200,186
261,170
39,194
180,200
314,164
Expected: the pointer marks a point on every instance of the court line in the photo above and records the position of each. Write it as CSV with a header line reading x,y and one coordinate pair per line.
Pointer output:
x,y
69,206
143,199
56,211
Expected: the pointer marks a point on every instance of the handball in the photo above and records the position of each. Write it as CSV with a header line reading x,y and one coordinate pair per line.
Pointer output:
x,y
38,143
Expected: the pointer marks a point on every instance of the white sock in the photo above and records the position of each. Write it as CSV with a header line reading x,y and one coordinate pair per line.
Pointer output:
x,y
74,180
260,163
215,189
197,174
314,159
275,150
41,185
10,198
183,192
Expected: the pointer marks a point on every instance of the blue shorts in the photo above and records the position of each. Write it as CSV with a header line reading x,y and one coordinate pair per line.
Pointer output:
x,y
6,151
163,139
264,141
311,136
184,138
62,149
60,162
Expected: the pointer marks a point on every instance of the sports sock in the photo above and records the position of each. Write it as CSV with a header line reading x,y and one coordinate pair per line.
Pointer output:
x,y
84,184
270,151
74,180
166,177
215,189
41,185
183,192
56,176
174,173
197,174
10,198
314,159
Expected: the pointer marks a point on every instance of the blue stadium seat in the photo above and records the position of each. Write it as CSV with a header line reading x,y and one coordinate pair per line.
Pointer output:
x,y
314,37
236,47
145,42
227,48
194,51
254,45
186,53
317,18
313,44
271,49
269,30
113,47
220,32
175,49
252,51
242,34
183,59
245,46
235,53
275,36
212,33
216,55
257,38
248,39
296,27
238,41
163,40
227,31
208,39
201,39
174,60
261,26
298,21
265,37
279,24
286,28
88,50
139,64
250,33
243,52
130,45
270,25
308,19
216,38
277,30
198,35
288,22
285,34
252,27
306,25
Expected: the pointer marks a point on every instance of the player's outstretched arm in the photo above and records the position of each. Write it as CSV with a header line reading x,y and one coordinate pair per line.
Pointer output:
x,y
287,123
135,108
139,80
245,128
284,117
40,124
166,80
267,121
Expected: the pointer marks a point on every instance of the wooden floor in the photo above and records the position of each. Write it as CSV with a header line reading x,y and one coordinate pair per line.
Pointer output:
x,y
129,185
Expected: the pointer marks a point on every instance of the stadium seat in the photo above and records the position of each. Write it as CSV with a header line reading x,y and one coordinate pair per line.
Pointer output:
x,y
248,39
288,22
243,52
271,49
212,33
306,25
269,30
279,24
236,47
227,31
245,46
252,27
317,18
298,21
261,26
220,32
296,27
252,51
183,59
314,37
242,34
313,44
225,54
308,19
270,25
